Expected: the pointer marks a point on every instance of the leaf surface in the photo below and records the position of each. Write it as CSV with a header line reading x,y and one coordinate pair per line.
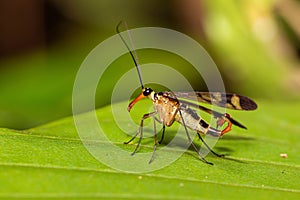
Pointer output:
x,y
51,161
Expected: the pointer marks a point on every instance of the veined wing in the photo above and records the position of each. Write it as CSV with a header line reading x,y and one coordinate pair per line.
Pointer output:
x,y
227,100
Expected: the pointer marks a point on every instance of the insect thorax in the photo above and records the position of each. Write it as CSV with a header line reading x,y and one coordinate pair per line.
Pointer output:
x,y
166,108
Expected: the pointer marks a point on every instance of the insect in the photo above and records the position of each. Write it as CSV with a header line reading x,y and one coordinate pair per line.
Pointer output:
x,y
175,106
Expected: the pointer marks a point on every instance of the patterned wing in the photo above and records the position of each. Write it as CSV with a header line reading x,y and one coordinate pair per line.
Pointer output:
x,y
228,100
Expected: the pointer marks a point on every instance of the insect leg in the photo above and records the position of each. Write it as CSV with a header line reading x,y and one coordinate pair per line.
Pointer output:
x,y
132,138
206,145
191,142
155,140
140,131
163,134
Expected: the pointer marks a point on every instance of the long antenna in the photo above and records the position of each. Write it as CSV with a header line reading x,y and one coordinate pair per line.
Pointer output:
x,y
134,57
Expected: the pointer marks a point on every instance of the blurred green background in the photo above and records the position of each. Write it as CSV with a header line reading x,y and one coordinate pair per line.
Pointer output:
x,y
255,44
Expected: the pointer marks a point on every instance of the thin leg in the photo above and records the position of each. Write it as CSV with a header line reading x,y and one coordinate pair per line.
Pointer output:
x,y
205,144
191,142
157,120
155,140
132,137
140,131
163,135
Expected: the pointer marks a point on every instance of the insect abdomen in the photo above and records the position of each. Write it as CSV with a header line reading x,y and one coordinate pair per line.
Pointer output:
x,y
193,121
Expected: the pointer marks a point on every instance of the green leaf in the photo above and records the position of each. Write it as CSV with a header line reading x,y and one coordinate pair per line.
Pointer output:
x,y
51,161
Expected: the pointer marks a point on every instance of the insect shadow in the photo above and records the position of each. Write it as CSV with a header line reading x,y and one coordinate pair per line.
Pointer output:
x,y
181,143
237,137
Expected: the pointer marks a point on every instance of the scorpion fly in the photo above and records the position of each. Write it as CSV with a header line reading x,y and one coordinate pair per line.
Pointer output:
x,y
169,109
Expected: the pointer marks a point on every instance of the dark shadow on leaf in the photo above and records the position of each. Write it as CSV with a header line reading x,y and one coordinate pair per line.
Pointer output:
x,y
235,137
194,154
182,141
224,150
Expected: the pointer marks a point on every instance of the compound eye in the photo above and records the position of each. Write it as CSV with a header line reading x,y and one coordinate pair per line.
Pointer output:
x,y
147,91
